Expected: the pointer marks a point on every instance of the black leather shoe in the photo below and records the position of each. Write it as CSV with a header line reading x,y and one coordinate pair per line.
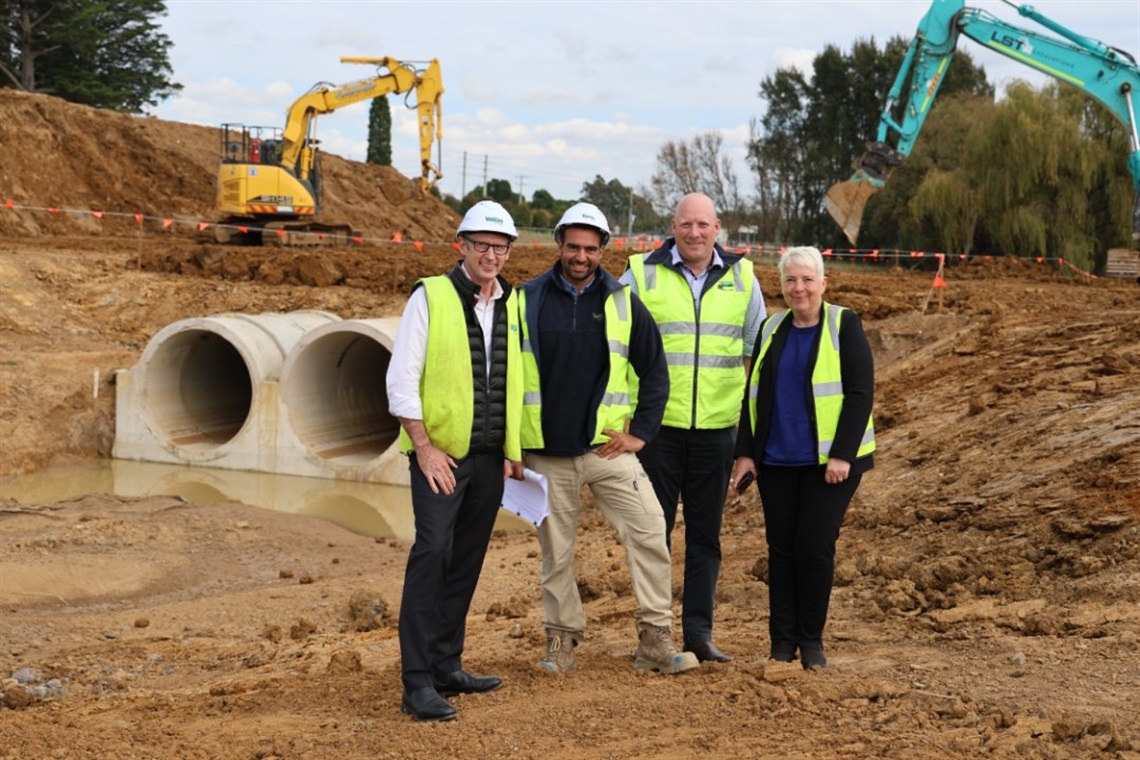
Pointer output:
x,y
812,659
462,682
426,705
706,651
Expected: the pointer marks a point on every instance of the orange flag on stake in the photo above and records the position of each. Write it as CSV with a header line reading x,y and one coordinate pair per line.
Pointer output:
x,y
418,245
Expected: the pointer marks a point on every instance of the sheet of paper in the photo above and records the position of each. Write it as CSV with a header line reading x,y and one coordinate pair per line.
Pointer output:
x,y
527,498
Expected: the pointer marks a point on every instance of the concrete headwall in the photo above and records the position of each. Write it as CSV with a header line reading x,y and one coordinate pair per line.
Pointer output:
x,y
301,393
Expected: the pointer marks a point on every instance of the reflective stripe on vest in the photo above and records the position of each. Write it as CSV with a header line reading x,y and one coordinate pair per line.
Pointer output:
x,y
615,409
705,357
447,387
826,382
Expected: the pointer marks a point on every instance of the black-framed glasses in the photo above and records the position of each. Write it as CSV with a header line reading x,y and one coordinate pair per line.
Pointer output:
x,y
499,249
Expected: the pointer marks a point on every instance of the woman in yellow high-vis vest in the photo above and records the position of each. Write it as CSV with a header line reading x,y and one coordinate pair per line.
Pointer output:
x,y
806,436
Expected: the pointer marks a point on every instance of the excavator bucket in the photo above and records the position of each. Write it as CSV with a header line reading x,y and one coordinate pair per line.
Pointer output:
x,y
845,202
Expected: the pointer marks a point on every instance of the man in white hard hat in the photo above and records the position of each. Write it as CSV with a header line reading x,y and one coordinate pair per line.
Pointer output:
x,y
455,384
709,308
583,332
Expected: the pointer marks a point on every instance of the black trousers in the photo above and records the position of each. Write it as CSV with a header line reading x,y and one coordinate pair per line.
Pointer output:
x,y
694,465
802,515
452,533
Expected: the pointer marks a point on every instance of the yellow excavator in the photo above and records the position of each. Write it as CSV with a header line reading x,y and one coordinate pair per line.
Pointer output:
x,y
269,177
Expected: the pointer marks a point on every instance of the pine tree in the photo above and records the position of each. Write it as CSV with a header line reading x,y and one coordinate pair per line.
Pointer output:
x,y
380,132
106,54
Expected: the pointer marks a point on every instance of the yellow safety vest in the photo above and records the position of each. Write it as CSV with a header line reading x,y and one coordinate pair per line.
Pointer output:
x,y
447,385
705,357
826,381
615,409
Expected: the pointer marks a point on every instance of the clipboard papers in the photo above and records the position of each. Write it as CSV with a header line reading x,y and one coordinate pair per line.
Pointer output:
x,y
527,498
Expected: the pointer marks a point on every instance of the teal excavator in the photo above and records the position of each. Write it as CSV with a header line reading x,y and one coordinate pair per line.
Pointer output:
x,y
1108,74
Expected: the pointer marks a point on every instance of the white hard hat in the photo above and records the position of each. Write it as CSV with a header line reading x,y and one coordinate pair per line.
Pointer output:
x,y
487,216
583,215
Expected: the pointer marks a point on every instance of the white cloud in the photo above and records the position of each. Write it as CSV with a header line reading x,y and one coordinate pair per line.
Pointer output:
x,y
556,92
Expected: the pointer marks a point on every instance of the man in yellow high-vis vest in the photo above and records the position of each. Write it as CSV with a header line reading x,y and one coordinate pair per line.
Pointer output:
x,y
708,307
455,384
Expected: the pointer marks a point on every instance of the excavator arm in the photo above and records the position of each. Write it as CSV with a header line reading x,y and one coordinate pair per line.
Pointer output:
x,y
298,146
1109,75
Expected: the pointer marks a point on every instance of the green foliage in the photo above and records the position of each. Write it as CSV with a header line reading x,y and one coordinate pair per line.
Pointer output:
x,y
500,190
1040,173
380,132
104,53
814,127
542,199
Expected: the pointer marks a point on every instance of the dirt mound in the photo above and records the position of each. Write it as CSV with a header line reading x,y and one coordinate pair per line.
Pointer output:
x,y
62,155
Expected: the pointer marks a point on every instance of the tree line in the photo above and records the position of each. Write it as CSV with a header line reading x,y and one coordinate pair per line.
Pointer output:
x,y
1038,172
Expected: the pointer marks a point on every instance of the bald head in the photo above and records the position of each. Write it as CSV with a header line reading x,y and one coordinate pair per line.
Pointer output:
x,y
695,228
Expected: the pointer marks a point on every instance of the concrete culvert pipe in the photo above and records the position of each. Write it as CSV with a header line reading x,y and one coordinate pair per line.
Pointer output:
x,y
197,384
333,389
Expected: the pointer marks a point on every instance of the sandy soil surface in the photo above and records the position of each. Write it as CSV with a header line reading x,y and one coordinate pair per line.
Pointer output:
x,y
987,601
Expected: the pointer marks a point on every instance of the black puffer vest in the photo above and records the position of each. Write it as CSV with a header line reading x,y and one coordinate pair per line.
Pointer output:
x,y
488,430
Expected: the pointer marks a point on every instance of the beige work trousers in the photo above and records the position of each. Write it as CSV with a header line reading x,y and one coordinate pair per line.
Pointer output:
x,y
623,492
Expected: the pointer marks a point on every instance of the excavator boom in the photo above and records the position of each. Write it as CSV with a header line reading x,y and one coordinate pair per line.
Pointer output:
x,y
269,178
1109,75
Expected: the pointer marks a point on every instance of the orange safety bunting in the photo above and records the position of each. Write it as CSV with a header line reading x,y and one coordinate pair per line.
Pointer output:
x,y
243,230
939,282
1040,259
8,204
826,252
874,254
320,236
397,236
418,245
619,243
280,233
962,256
203,226
97,214
139,219
358,238
53,210
537,246
167,222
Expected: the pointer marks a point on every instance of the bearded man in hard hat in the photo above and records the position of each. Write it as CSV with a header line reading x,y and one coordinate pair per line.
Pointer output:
x,y
583,335
709,308
455,384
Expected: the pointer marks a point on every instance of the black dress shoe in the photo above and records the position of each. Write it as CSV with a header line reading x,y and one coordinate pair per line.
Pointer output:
x,y
706,651
426,705
462,682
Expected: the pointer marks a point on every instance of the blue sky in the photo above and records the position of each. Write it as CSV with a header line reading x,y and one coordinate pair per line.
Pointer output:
x,y
550,94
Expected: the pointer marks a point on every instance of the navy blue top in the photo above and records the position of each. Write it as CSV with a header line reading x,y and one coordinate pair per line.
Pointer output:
x,y
791,439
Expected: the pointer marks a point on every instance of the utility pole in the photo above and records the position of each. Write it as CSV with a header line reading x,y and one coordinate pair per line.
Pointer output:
x,y
629,230
463,185
521,178
484,175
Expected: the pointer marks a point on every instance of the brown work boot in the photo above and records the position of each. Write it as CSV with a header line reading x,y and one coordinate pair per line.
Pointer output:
x,y
560,657
656,651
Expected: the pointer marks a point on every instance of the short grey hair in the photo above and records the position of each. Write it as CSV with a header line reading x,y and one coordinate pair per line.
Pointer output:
x,y
804,255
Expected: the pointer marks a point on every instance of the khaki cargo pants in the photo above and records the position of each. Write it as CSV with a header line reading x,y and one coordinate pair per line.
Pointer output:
x,y
625,496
